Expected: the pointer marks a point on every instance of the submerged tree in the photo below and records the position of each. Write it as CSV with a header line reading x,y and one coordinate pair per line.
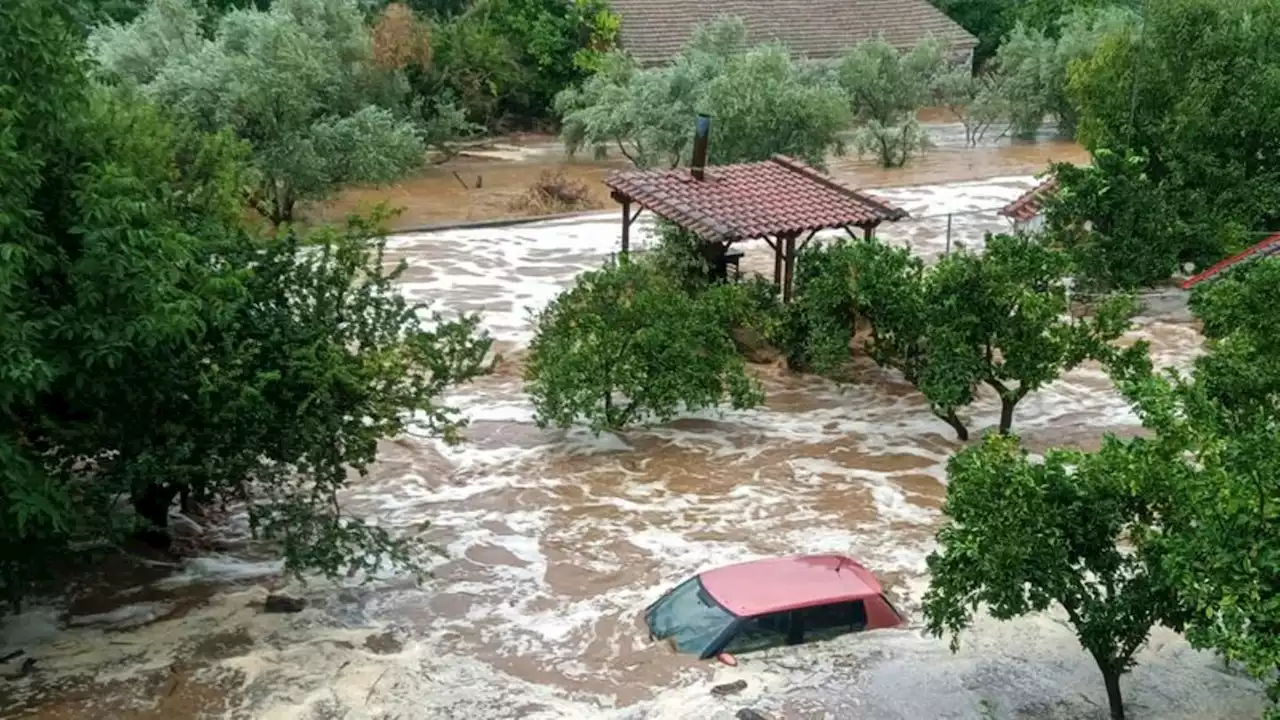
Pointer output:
x,y
626,345
1024,536
300,82
886,87
763,103
1000,318
154,349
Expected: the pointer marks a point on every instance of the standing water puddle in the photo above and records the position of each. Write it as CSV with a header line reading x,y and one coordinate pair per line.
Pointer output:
x,y
554,541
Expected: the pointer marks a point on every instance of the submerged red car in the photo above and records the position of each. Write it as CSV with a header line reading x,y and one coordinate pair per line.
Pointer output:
x,y
764,603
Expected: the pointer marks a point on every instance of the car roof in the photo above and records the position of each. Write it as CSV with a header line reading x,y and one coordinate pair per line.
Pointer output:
x,y
771,585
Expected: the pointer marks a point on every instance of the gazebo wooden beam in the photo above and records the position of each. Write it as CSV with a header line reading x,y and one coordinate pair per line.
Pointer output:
x,y
628,218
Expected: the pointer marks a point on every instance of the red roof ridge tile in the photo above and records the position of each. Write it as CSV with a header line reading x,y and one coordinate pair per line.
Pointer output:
x,y
1269,246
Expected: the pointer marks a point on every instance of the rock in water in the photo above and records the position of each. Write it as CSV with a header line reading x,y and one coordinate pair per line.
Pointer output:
x,y
284,604
729,688
749,714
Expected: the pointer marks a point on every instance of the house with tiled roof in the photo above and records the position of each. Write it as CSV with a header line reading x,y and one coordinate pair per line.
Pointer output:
x,y
654,31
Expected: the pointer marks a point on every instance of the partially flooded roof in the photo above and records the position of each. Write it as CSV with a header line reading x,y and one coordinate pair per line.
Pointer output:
x,y
1268,247
1029,204
787,583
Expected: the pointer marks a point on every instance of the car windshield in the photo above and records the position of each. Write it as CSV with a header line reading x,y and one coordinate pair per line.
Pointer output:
x,y
690,617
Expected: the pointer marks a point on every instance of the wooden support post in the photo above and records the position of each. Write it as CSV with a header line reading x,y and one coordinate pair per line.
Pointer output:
x,y
778,250
790,269
866,231
626,229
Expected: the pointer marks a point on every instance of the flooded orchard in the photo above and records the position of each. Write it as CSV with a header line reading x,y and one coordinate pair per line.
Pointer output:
x,y
552,543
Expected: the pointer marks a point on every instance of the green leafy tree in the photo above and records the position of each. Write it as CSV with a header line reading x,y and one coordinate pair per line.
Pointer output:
x,y
154,349
886,87
1114,223
627,345
1024,536
1213,474
1001,319
297,82
976,101
1196,94
762,101
989,21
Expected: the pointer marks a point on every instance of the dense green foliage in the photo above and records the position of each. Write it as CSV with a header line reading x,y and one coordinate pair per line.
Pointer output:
x,y
1114,223
298,82
1197,96
1033,65
763,102
154,349
1023,536
626,344
504,61
1212,472
993,21
1000,319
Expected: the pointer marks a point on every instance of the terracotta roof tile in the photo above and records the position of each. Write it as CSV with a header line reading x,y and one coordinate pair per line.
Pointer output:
x,y
654,31
1270,246
1028,204
740,202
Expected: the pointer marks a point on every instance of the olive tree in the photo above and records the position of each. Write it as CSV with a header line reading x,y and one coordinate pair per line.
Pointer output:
x,y
1023,536
626,344
885,88
763,103
299,82
1034,64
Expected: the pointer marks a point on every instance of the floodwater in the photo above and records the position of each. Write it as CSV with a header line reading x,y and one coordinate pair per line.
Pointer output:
x,y
552,542
485,183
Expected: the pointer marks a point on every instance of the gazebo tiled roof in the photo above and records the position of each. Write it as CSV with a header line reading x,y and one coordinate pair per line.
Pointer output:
x,y
778,197
1028,205
1270,246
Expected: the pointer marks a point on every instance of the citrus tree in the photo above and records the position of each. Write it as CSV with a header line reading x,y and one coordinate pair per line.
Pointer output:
x,y
625,345
1000,318
1024,536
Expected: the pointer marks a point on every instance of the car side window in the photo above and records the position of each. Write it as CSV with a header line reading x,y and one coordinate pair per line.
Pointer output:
x,y
761,632
825,621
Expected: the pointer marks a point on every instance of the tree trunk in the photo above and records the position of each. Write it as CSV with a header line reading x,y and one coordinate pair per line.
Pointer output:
x,y
1006,414
1112,680
962,432
152,505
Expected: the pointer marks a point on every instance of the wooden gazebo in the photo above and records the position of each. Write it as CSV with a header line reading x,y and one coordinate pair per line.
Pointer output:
x,y
779,200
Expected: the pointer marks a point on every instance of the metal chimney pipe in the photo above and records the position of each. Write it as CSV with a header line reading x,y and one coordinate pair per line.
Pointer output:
x,y
701,132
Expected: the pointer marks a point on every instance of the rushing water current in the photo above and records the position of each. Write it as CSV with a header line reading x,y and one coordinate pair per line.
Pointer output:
x,y
553,542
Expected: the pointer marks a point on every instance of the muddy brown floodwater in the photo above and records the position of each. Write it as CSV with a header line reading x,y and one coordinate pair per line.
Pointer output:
x,y
484,183
552,542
